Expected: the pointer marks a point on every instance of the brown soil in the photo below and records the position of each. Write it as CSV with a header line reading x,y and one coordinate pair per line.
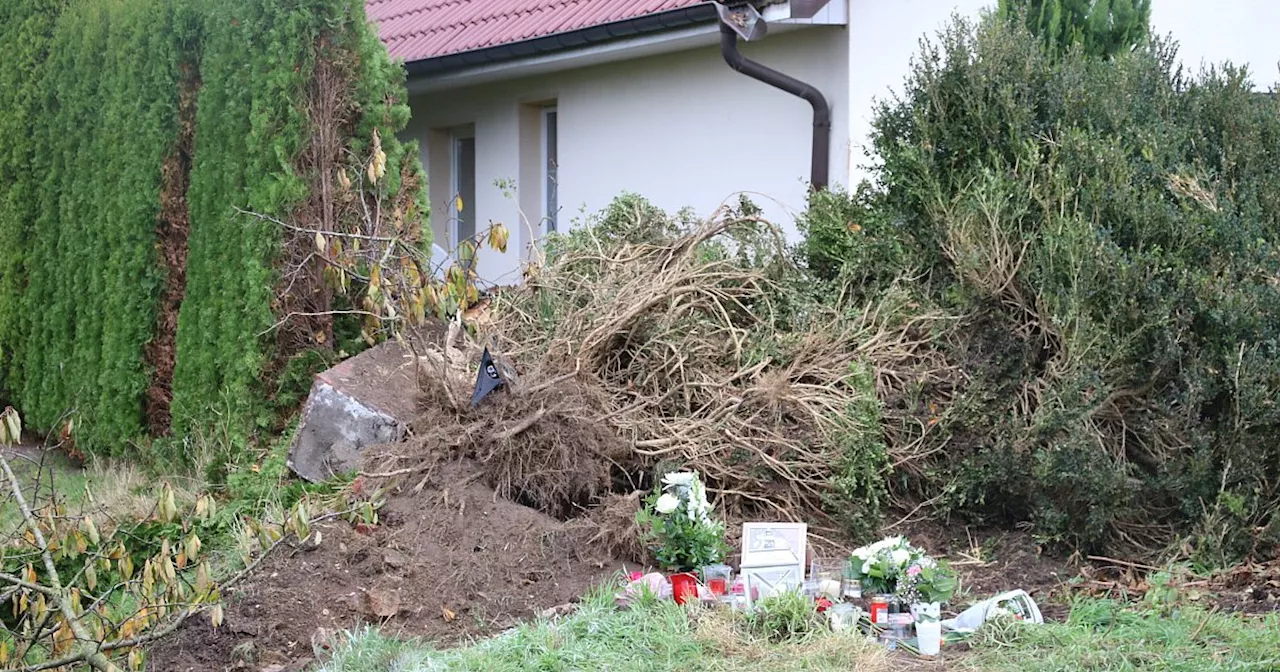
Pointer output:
x,y
452,562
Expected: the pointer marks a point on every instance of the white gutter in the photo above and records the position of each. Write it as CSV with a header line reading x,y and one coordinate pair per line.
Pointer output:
x,y
779,18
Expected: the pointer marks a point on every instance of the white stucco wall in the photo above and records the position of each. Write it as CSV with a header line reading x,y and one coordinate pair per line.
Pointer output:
x,y
682,129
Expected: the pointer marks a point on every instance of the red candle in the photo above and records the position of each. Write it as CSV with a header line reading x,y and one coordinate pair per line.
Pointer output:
x,y
717,586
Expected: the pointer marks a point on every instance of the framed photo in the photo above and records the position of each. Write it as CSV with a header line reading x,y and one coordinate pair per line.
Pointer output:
x,y
773,558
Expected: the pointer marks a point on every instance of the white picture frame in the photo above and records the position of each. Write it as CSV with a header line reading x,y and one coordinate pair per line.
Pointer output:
x,y
773,558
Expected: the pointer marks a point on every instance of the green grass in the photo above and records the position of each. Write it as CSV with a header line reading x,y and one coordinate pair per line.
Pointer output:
x,y
649,637
1100,635
1105,635
66,480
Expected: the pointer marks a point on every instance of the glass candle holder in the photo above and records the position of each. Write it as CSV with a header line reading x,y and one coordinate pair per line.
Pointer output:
x,y
717,578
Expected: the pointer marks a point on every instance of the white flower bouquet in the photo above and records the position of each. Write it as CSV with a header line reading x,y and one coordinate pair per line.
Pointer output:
x,y
678,524
892,566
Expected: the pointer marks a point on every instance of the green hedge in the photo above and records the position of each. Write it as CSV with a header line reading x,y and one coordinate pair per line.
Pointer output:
x,y
95,86
1107,232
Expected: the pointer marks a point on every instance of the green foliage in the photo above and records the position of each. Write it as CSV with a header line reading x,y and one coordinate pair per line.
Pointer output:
x,y
91,92
859,492
1104,232
108,100
786,616
1099,27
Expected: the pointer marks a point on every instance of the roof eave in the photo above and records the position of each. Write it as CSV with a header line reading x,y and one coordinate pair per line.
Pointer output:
x,y
608,32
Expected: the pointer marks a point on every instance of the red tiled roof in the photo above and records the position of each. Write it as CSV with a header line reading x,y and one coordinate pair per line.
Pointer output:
x,y
416,30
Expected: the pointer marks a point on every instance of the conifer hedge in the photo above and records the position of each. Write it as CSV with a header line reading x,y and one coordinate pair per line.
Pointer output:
x,y
134,135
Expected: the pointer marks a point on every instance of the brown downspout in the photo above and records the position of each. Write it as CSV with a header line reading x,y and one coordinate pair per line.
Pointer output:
x,y
818,171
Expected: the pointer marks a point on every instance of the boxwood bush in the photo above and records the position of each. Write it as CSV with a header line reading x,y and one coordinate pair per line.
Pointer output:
x,y
1106,232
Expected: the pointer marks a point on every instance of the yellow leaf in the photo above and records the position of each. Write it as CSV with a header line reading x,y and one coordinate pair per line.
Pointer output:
x,y
12,425
457,203
126,567
92,530
90,576
166,567
322,245
202,579
182,560
148,577
448,614
498,237
136,659
166,508
193,546
343,179
202,505
4,653
215,616
31,574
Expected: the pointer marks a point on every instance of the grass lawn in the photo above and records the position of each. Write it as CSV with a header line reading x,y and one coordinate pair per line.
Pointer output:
x,y
658,636
650,637
38,480
1106,635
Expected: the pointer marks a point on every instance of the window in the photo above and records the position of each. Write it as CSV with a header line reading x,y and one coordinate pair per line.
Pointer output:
x,y
550,165
464,187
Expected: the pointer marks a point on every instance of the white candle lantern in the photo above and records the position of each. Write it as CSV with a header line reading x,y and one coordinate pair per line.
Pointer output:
x,y
772,559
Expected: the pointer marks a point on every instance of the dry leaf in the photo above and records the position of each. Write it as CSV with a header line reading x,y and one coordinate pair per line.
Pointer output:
x,y
448,615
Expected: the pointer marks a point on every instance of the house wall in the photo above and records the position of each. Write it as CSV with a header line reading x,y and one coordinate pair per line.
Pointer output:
x,y
681,129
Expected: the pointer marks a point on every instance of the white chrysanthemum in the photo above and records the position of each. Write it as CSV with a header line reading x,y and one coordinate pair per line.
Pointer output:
x,y
900,557
679,478
667,503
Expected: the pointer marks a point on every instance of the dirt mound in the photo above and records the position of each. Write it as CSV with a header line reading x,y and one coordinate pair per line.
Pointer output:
x,y
451,561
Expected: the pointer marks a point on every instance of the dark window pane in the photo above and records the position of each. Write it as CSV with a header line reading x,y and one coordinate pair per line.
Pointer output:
x,y
552,163
465,171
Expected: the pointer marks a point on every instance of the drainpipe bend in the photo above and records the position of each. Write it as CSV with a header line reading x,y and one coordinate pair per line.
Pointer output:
x,y
821,155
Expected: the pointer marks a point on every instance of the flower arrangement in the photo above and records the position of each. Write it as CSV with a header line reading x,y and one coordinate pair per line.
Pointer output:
x,y
892,566
678,526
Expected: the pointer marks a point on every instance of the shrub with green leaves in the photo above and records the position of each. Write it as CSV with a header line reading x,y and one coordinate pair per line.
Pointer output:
x,y
1104,234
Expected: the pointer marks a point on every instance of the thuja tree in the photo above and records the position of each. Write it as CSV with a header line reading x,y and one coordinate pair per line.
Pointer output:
x,y
260,124
107,117
166,167
25,31
1100,27
1105,232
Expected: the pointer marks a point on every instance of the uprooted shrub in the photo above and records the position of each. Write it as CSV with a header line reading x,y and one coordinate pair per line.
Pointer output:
x,y
711,351
1106,231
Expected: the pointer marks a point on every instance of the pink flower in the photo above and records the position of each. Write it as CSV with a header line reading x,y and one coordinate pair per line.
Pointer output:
x,y
913,571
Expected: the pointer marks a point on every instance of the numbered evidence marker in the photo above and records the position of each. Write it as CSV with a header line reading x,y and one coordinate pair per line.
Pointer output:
x,y
487,379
